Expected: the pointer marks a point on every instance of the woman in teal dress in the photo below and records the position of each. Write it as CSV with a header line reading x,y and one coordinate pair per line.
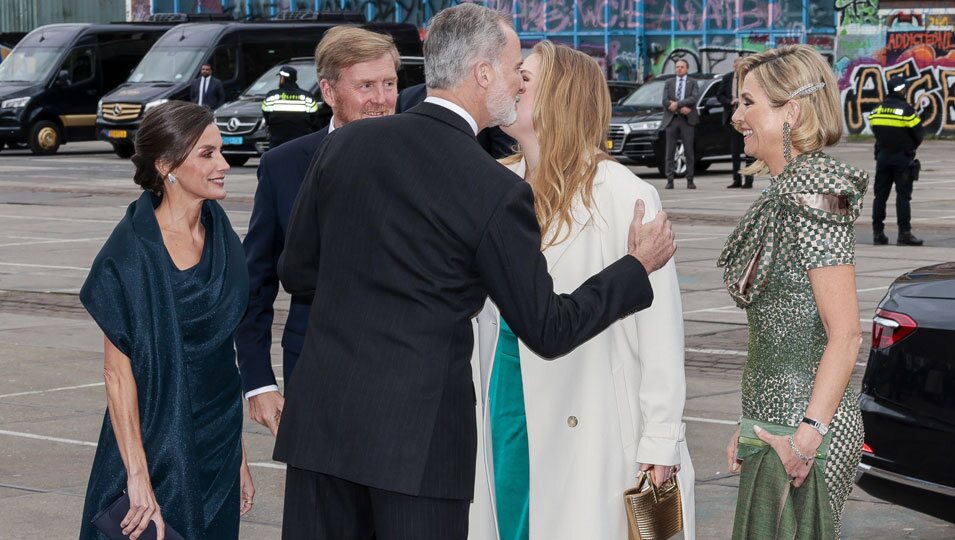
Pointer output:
x,y
790,265
168,289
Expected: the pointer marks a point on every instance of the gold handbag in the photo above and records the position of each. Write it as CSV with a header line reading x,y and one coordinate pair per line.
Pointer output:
x,y
654,513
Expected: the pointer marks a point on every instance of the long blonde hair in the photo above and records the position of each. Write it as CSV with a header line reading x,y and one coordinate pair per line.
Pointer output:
x,y
571,115
782,71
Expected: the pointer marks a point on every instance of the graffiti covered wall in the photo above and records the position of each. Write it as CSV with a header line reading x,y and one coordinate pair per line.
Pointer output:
x,y
918,44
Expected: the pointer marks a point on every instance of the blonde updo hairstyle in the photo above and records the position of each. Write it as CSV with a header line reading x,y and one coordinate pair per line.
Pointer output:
x,y
782,71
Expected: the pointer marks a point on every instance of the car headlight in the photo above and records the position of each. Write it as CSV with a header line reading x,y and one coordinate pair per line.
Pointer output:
x,y
152,104
15,103
645,126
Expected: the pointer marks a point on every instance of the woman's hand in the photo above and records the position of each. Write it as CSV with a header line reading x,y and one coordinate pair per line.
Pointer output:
x,y
659,473
143,508
807,440
247,490
731,462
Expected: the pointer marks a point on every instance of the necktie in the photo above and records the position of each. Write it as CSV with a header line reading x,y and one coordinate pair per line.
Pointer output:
x,y
679,88
202,89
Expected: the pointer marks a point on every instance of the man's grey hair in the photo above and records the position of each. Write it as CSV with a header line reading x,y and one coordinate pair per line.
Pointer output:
x,y
458,38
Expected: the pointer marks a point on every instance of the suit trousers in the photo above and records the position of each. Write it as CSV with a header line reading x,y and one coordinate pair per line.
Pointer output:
x,y
323,507
679,128
892,169
736,149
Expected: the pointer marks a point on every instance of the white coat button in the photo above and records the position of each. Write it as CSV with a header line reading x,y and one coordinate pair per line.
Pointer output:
x,y
572,421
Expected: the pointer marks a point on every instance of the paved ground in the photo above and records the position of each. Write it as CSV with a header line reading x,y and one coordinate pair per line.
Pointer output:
x,y
56,211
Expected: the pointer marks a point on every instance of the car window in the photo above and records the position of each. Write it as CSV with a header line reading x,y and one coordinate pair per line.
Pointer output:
x,y
80,65
648,95
712,91
307,80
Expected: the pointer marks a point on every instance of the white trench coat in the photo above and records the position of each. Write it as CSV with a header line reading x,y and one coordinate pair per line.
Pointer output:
x,y
596,413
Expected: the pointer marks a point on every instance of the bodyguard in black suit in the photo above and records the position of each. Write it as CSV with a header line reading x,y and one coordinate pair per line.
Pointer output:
x,y
680,116
403,227
727,97
207,90
343,52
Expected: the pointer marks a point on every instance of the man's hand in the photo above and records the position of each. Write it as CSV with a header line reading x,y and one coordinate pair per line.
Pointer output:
x,y
650,243
672,106
685,111
266,409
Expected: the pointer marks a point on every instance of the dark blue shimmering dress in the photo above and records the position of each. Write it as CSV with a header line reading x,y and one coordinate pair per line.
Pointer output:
x,y
177,328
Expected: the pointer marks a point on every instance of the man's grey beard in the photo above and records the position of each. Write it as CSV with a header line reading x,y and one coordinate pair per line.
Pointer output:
x,y
502,108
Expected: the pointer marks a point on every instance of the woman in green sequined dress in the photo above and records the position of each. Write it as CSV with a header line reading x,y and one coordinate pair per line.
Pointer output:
x,y
790,265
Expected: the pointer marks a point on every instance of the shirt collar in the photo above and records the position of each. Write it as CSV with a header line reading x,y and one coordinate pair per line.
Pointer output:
x,y
331,124
454,107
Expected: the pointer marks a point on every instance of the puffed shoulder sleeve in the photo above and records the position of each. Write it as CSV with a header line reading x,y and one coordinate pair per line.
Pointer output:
x,y
824,231
104,298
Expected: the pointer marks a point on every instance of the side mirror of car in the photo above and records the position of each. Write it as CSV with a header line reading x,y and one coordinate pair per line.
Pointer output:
x,y
63,78
711,102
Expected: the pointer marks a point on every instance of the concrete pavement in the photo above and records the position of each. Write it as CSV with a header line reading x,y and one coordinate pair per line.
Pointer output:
x,y
56,211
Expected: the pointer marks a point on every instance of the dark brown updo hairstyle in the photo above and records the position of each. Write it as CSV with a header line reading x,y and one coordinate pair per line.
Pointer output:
x,y
168,133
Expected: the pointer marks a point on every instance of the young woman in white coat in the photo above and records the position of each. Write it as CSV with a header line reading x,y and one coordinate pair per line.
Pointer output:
x,y
561,439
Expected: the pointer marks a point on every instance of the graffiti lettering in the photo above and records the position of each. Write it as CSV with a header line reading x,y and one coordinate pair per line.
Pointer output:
x,y
904,40
931,91
858,11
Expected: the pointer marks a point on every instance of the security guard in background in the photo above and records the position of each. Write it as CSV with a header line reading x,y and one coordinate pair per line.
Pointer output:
x,y
898,133
289,111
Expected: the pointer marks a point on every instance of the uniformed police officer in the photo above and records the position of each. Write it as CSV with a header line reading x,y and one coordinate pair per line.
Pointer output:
x,y
289,111
898,133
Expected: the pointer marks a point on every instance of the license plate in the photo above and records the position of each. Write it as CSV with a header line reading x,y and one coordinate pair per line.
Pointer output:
x,y
609,144
117,134
232,140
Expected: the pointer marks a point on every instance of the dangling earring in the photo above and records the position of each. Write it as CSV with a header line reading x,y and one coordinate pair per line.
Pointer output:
x,y
172,178
787,142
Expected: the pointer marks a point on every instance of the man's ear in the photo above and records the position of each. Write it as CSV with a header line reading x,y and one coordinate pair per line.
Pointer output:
x,y
484,74
328,92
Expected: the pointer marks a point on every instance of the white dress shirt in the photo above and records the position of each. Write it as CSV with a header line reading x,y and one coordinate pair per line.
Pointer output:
x,y
455,108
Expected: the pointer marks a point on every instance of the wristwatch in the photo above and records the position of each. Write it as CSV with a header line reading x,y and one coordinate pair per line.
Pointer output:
x,y
816,425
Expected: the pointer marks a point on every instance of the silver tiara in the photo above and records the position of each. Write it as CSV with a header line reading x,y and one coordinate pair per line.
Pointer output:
x,y
806,90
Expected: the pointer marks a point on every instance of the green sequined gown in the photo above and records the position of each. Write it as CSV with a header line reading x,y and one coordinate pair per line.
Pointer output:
x,y
804,220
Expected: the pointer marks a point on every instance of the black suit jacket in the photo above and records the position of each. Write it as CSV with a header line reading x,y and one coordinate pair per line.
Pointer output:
x,y
281,172
215,93
493,139
691,94
401,247
725,97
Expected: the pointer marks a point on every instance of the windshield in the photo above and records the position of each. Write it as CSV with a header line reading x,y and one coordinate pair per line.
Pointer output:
x,y
29,64
648,95
167,65
307,80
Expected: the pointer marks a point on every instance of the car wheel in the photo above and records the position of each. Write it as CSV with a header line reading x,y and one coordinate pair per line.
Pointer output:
x,y
124,151
44,138
679,165
236,161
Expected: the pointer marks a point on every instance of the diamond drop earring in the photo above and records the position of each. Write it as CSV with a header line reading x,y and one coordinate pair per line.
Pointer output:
x,y
787,142
172,178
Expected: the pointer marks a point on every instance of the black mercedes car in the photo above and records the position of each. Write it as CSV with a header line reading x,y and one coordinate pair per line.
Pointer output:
x,y
908,391
635,135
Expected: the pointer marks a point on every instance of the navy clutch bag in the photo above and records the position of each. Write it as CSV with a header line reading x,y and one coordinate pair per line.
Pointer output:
x,y
108,520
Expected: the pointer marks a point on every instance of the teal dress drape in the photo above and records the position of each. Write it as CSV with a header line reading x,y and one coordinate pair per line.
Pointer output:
x,y
177,328
509,439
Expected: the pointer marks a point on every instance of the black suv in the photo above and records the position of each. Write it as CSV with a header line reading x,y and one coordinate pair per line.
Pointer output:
x,y
635,134
244,134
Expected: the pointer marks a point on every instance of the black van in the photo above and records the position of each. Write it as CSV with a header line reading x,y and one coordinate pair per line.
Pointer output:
x,y
52,80
239,52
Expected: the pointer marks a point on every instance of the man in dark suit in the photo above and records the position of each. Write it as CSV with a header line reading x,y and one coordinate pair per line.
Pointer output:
x,y
492,139
207,90
345,57
728,98
402,229
680,95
